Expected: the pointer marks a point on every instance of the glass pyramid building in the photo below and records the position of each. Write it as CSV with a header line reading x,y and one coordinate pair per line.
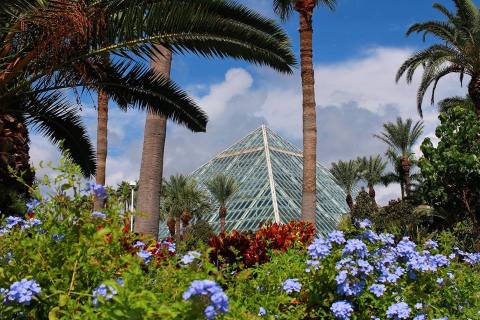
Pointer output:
x,y
269,171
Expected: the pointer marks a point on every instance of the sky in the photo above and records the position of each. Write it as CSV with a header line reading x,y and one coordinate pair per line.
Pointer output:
x,y
357,50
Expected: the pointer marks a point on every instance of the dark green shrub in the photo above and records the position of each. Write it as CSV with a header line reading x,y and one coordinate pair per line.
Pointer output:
x,y
365,206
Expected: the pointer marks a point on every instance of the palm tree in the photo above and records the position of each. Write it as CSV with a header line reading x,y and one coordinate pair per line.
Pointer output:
x,y
37,58
305,8
347,175
400,138
222,188
397,176
457,52
372,170
463,102
182,200
215,28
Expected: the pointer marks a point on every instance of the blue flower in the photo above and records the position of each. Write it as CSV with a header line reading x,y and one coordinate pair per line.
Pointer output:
x,y
103,292
219,300
336,236
420,317
377,289
171,247
58,237
98,214
145,255
431,244
22,292
418,306
399,310
31,223
32,204
364,224
190,257
406,248
355,246
342,310
319,249
97,189
12,221
262,312
439,281
387,238
139,244
292,285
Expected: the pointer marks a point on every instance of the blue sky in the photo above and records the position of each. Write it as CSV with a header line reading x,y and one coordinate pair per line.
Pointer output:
x,y
357,50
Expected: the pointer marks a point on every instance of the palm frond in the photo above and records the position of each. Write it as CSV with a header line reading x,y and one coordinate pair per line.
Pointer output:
x,y
222,188
346,173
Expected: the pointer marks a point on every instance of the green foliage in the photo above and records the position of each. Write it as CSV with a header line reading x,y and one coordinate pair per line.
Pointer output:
x,y
197,235
222,188
451,171
365,206
347,174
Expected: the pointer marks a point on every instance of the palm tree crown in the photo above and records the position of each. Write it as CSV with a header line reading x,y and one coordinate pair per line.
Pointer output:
x,y
284,8
222,188
458,52
347,175
401,136
371,170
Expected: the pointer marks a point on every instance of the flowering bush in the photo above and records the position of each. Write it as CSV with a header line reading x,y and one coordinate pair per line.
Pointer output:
x,y
61,261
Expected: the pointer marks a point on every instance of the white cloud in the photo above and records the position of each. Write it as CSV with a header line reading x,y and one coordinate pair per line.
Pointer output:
x,y
355,97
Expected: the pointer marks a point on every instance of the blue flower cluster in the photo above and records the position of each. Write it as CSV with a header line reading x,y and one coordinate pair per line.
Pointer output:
x,y
21,292
381,264
97,189
32,204
145,255
218,299
103,292
58,237
98,214
292,285
12,221
190,257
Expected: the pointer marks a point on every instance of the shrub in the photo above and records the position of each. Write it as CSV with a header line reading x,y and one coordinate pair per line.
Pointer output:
x,y
365,206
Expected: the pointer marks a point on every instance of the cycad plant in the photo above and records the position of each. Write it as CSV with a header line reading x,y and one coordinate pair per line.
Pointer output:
x,y
347,175
222,188
371,171
211,28
456,53
305,9
401,137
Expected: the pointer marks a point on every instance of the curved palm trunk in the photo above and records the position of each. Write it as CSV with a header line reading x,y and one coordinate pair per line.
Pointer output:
x,y
102,143
309,116
14,154
474,93
406,174
151,170
222,212
171,225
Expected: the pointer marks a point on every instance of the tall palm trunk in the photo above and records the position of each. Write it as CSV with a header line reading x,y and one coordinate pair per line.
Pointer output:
x,y
402,189
14,154
406,174
102,143
349,200
371,191
151,170
474,93
309,117
222,211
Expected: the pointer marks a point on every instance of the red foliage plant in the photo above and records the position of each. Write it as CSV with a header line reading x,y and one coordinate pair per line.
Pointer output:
x,y
250,249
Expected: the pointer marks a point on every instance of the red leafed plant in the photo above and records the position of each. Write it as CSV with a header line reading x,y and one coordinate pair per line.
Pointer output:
x,y
250,249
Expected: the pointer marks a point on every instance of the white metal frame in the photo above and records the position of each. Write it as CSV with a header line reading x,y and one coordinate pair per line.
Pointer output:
x,y
270,175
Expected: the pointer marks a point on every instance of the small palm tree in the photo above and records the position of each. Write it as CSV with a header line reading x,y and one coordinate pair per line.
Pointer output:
x,y
222,188
305,8
457,52
347,175
372,170
401,137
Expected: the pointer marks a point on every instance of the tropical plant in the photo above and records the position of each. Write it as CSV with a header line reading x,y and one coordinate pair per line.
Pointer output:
x,y
371,171
451,170
222,188
305,9
452,102
401,137
457,53
397,176
347,175
208,28
364,207
37,59
182,200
